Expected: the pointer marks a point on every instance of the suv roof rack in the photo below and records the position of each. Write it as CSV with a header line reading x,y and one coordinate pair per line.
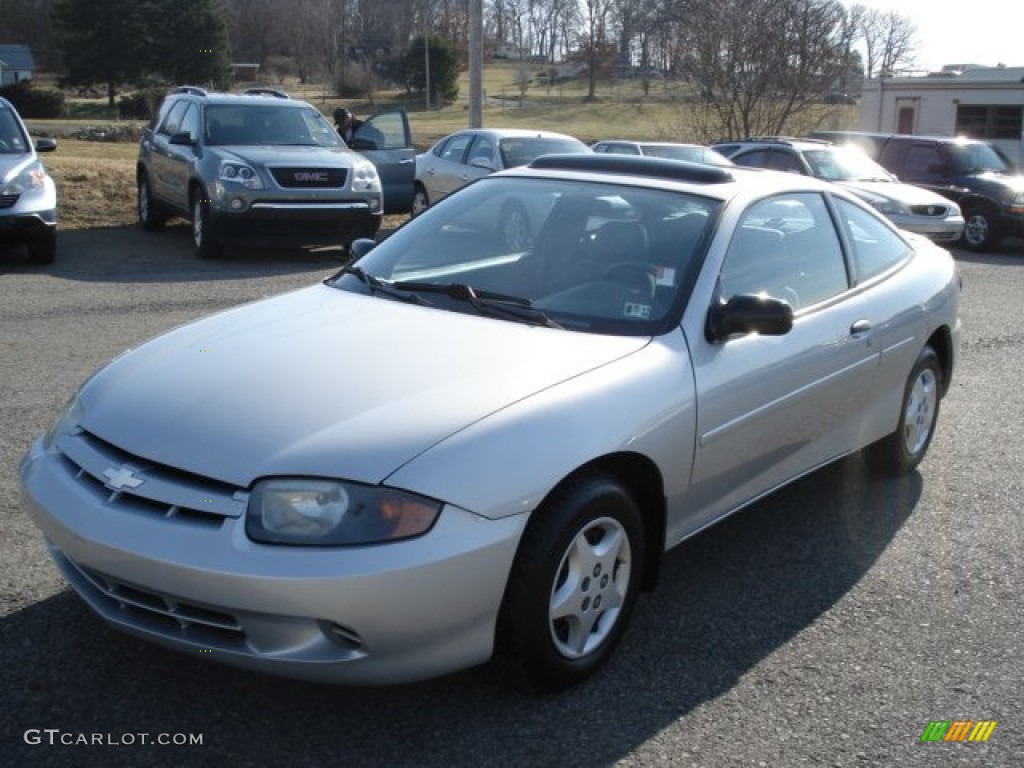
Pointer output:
x,y
655,167
274,92
193,89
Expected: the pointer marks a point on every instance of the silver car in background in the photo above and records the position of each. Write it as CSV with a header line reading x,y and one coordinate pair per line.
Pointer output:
x,y
28,196
466,156
909,207
670,150
456,449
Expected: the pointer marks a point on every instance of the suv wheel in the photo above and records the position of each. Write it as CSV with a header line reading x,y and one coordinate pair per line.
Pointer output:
x,y
151,218
204,237
979,229
42,249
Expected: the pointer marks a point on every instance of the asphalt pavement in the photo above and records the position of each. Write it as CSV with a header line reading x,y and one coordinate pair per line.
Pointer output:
x,y
828,625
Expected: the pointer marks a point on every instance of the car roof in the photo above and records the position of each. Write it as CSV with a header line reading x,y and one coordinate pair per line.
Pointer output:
x,y
720,182
508,133
259,96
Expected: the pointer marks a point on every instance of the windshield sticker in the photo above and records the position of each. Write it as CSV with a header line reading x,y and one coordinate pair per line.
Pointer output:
x,y
637,311
665,276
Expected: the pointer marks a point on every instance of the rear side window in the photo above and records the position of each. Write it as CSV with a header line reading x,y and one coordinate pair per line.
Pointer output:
x,y
876,248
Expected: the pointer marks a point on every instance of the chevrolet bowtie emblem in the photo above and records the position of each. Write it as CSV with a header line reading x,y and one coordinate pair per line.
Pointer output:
x,y
119,479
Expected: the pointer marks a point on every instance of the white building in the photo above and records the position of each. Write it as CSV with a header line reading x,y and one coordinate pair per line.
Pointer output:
x,y
979,102
16,64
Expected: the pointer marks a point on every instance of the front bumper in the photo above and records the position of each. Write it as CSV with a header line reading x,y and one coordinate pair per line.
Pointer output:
x,y
939,230
319,223
387,613
23,228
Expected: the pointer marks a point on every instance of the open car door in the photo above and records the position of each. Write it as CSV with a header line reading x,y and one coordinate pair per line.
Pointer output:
x,y
386,141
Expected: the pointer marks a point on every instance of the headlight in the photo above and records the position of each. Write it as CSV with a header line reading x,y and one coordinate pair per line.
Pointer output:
x,y
890,207
365,178
241,174
66,421
329,513
31,178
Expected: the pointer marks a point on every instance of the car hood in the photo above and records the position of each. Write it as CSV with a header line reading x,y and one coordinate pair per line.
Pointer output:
x,y
336,157
322,382
907,194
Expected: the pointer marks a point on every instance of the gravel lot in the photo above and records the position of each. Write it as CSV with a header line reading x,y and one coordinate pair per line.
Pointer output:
x,y
825,626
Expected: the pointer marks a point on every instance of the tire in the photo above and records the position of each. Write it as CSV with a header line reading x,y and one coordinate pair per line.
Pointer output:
x,y
980,228
204,236
900,452
42,249
573,585
420,201
151,218
515,227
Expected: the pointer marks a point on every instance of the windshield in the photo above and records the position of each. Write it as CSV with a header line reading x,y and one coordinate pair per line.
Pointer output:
x,y
268,124
585,256
844,164
691,154
977,158
520,150
12,140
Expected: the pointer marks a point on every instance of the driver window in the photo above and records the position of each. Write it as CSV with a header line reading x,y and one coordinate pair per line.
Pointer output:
x,y
190,123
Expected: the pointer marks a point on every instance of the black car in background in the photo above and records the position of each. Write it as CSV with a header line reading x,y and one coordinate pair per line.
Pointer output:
x,y
974,173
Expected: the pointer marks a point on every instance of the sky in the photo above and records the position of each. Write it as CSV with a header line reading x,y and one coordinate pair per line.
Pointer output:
x,y
962,31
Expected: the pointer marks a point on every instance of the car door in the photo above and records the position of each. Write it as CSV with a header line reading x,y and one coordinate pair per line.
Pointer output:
x,y
179,157
160,166
770,408
444,169
386,141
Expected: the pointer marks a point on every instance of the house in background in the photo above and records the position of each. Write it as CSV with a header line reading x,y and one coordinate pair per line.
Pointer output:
x,y
977,102
16,64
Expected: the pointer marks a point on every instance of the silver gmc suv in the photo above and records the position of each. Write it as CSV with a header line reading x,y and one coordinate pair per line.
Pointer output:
x,y
257,168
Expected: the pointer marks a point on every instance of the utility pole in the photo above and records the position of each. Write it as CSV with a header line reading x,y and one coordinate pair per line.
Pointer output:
x,y
476,55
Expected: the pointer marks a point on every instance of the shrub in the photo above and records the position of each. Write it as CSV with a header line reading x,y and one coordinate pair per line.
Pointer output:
x,y
31,102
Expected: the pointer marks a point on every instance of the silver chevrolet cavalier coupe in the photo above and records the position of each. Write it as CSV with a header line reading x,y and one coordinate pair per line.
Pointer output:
x,y
453,450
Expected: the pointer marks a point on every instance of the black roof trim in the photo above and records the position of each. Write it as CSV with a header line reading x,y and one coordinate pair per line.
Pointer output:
x,y
193,89
655,167
277,94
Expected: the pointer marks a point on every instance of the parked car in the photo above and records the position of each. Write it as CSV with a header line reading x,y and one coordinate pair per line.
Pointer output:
x,y
28,196
971,172
452,449
261,168
466,156
909,207
694,153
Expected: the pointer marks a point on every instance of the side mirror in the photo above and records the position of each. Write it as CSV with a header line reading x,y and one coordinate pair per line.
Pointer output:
x,y
184,138
361,247
748,313
45,145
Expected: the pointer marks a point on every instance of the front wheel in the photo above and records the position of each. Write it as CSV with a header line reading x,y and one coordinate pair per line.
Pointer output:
x,y
151,218
204,238
901,451
980,229
573,584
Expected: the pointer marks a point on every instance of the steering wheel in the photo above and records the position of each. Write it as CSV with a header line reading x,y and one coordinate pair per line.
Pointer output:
x,y
633,274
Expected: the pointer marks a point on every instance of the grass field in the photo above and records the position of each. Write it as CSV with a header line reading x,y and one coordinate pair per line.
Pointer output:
x,y
96,179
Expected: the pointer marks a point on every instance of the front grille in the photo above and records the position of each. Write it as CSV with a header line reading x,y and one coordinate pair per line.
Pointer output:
x,y
155,612
123,482
935,209
310,178
8,201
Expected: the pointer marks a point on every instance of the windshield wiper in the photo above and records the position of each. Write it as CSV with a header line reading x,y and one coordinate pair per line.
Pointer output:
x,y
378,286
485,302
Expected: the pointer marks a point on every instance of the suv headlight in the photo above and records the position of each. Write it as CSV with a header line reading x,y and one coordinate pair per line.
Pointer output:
x,y
325,513
240,173
365,178
32,178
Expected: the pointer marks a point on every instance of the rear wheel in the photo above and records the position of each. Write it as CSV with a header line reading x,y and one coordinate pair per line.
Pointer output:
x,y
900,452
573,584
151,218
420,201
204,236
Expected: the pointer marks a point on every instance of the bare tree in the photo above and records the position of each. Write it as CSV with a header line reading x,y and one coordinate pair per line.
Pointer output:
x,y
889,40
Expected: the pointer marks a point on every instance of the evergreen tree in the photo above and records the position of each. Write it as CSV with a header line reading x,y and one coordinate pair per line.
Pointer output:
x,y
444,69
192,44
